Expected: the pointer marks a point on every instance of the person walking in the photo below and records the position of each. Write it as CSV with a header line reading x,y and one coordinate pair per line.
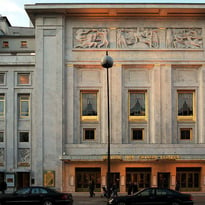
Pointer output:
x,y
91,187
135,188
129,189
3,186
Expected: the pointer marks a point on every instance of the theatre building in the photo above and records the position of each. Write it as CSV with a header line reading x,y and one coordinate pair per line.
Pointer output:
x,y
53,96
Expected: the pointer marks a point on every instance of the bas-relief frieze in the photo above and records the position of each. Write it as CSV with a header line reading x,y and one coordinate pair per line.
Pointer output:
x,y
91,38
24,157
184,38
138,38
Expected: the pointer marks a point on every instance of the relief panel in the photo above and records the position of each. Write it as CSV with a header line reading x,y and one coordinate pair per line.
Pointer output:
x,y
138,38
184,38
24,157
90,38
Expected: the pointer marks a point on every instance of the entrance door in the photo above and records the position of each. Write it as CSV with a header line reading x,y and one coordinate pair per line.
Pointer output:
x,y
163,179
22,179
115,179
84,175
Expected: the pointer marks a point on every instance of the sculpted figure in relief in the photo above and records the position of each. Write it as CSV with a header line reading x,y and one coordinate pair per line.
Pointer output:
x,y
184,38
24,155
138,38
91,38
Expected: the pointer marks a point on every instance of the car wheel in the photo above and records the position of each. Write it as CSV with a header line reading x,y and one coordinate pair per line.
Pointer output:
x,y
48,202
121,203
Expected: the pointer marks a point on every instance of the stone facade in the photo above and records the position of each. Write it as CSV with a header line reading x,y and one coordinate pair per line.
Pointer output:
x,y
158,53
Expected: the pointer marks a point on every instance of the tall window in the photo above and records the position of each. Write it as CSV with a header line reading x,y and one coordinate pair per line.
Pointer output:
x,y
186,105
1,136
137,105
2,105
89,105
24,106
2,78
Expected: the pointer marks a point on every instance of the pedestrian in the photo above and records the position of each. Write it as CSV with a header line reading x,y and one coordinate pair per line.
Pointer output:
x,y
135,188
114,190
129,189
177,188
91,187
3,186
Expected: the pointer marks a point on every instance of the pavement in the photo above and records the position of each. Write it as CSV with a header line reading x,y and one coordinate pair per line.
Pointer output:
x,y
82,198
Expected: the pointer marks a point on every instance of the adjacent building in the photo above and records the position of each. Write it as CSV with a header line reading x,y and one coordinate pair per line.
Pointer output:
x,y
53,96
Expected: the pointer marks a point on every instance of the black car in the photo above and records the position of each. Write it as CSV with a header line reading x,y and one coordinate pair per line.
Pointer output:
x,y
37,195
154,196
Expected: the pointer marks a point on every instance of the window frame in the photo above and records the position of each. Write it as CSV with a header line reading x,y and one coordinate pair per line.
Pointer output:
x,y
138,118
4,78
89,117
137,129
188,117
84,134
24,44
184,129
3,136
23,73
4,106
21,116
5,44
19,137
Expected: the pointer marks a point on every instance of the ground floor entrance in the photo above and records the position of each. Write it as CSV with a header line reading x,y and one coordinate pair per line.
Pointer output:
x,y
186,176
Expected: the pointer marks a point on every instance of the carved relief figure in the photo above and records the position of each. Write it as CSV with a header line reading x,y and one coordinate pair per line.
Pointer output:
x,y
184,38
91,38
138,38
24,156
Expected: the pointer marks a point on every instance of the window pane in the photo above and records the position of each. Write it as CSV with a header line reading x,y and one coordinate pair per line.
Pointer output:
x,y
24,137
1,137
89,104
137,104
1,108
23,78
2,105
185,104
137,134
2,78
24,106
89,134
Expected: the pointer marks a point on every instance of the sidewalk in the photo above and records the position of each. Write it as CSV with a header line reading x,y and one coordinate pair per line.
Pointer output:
x,y
100,194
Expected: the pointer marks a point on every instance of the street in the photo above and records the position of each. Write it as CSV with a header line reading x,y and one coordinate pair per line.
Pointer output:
x,y
98,200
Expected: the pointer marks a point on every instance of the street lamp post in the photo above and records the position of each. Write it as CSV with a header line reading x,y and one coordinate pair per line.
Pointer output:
x,y
107,62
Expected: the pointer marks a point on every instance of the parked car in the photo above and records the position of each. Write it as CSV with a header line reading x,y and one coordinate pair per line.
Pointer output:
x,y
154,196
36,195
